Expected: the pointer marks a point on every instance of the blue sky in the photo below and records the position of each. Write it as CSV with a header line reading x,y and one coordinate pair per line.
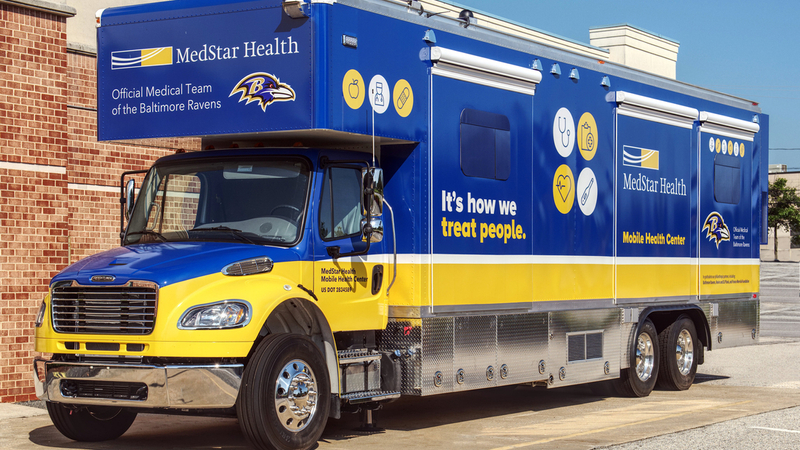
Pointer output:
x,y
743,48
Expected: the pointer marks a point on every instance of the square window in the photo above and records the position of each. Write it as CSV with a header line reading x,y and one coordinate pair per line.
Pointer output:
x,y
727,179
485,145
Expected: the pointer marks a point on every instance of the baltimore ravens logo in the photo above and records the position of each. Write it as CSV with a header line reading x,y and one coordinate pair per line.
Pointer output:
x,y
717,230
263,88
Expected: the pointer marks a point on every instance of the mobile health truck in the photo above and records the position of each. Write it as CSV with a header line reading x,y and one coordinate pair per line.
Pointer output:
x,y
395,203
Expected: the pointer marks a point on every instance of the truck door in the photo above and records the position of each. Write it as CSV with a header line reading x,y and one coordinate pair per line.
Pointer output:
x,y
481,228
351,289
655,200
728,214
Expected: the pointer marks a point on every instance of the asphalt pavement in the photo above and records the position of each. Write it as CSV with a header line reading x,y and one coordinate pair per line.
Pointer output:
x,y
780,324
780,300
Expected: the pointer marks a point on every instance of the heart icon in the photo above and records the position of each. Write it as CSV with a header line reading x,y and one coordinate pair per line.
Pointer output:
x,y
564,186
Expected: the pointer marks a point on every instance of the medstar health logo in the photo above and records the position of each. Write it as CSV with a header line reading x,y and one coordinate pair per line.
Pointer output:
x,y
142,57
263,88
717,230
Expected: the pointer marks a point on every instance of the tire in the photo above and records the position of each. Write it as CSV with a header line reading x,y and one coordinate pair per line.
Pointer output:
x,y
90,423
273,416
640,378
678,355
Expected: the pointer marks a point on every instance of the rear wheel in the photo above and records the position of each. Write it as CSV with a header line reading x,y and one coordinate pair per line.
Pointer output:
x,y
640,378
90,423
285,394
678,355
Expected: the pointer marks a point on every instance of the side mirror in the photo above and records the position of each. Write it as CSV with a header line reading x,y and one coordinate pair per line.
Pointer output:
x,y
130,197
372,193
372,231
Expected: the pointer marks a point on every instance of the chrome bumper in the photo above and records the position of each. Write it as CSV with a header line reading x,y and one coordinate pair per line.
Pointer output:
x,y
176,387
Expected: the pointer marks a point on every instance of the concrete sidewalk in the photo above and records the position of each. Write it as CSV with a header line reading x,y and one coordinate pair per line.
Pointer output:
x,y
15,411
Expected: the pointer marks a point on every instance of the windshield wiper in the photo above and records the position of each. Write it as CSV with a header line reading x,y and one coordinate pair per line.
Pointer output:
x,y
238,233
149,233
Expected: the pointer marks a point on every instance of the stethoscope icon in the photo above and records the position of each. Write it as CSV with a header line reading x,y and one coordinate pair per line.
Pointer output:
x,y
565,131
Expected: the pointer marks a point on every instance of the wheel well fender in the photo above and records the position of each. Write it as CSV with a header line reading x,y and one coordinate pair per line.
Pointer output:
x,y
663,316
301,316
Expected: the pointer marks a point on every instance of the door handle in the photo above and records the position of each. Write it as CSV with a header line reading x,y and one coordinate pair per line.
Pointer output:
x,y
377,279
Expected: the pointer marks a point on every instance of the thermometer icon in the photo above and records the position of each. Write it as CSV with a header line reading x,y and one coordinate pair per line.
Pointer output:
x,y
586,192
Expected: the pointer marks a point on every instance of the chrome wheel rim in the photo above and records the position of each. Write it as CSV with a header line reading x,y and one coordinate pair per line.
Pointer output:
x,y
645,356
684,352
295,395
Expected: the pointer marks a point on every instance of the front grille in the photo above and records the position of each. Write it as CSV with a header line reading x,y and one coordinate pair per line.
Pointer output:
x,y
103,389
128,309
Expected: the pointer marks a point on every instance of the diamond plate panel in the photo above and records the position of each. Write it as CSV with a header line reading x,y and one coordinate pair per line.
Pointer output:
x,y
627,330
736,322
405,334
607,321
521,344
475,351
437,354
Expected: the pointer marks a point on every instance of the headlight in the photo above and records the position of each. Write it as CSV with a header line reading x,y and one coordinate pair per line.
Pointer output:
x,y
215,316
40,316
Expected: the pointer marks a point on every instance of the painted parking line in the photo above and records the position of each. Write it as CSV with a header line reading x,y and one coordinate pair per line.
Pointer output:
x,y
775,429
613,419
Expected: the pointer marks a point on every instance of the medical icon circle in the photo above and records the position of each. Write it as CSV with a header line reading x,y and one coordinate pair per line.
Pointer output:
x,y
564,132
736,149
724,147
730,147
718,145
353,89
403,98
379,94
564,189
586,191
711,144
587,136
741,150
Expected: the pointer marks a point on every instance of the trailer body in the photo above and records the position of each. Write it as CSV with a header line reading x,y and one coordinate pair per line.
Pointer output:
x,y
538,217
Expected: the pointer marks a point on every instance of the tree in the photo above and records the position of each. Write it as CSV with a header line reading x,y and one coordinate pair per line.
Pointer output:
x,y
784,211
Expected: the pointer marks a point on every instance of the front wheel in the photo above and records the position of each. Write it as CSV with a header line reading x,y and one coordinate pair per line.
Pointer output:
x,y
678,355
285,394
90,423
640,378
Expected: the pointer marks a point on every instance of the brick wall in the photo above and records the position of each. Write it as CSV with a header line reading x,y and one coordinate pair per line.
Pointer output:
x,y
59,187
33,181
94,168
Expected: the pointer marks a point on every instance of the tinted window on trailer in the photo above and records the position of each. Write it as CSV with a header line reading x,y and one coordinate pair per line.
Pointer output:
x,y
727,179
485,144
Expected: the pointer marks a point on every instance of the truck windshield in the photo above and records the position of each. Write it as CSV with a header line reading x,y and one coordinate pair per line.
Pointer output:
x,y
254,201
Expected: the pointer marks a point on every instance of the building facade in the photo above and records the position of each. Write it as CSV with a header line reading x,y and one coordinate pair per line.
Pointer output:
x,y
786,251
59,187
